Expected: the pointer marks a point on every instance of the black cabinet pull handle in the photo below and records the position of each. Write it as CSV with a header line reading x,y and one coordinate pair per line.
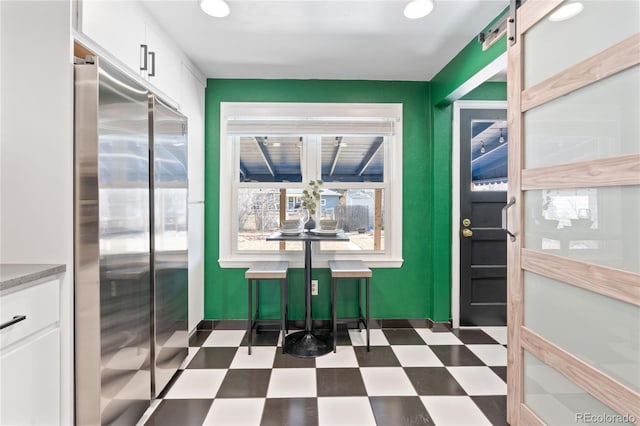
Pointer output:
x,y
152,73
144,49
15,319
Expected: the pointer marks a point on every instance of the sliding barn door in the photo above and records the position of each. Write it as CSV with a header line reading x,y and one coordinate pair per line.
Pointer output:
x,y
574,172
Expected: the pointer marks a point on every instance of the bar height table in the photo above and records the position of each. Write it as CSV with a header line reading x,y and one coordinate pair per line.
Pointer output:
x,y
306,343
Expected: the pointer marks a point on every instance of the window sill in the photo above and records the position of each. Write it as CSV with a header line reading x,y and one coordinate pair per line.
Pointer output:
x,y
318,261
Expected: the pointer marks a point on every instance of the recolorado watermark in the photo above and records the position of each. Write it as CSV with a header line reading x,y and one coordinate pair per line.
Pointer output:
x,y
604,418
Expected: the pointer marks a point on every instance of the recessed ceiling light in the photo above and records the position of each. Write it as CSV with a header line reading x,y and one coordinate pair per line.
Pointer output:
x,y
416,9
217,8
567,11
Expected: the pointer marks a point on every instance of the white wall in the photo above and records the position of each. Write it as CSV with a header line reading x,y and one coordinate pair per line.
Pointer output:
x,y
36,151
192,104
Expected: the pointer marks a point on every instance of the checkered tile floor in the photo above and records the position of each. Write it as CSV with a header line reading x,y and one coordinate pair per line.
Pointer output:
x,y
412,376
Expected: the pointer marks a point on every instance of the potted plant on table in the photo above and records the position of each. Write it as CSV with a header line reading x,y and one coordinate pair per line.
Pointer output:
x,y
310,200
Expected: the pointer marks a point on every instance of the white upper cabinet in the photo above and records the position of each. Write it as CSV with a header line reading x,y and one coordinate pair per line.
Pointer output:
x,y
135,40
123,40
163,62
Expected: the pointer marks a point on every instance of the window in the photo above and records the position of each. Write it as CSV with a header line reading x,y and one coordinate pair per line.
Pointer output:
x,y
268,154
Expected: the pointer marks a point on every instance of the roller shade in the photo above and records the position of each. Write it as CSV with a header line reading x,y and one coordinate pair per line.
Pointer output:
x,y
315,126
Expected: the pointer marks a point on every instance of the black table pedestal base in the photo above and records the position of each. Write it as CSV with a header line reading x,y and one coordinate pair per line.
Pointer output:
x,y
305,344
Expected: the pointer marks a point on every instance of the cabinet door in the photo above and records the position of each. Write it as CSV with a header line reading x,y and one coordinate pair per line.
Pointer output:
x,y
164,67
30,382
98,19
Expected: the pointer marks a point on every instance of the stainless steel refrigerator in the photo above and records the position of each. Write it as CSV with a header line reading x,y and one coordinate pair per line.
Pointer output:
x,y
130,245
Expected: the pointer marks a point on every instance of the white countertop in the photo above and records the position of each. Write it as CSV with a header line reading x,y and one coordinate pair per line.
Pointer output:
x,y
15,274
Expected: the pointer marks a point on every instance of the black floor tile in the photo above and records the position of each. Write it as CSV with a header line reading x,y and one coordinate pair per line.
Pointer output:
x,y
245,384
455,355
433,381
340,382
184,412
399,410
500,371
198,338
343,335
380,356
494,407
473,336
290,412
403,337
214,357
262,338
290,361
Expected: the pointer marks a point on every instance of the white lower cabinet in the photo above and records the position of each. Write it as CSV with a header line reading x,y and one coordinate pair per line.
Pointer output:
x,y
30,356
30,376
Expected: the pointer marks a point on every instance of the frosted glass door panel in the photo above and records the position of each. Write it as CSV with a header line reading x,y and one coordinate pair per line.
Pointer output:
x,y
600,330
557,401
597,121
551,47
597,225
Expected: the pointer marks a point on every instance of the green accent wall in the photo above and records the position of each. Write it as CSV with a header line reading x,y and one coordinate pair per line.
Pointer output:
x,y
465,65
461,68
404,292
421,288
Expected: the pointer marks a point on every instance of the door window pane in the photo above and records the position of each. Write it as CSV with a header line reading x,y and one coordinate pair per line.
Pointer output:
x,y
489,149
271,159
572,318
551,47
597,121
353,158
597,225
557,401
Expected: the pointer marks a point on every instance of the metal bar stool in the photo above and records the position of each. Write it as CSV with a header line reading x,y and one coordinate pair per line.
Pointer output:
x,y
349,269
268,271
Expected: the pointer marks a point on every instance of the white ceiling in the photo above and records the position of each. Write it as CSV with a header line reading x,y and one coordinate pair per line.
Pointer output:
x,y
309,39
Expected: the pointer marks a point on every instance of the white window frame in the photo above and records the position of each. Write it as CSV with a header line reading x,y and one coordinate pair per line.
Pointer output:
x,y
390,257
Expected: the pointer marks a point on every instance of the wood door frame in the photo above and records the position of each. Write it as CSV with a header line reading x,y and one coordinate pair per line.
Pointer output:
x,y
455,198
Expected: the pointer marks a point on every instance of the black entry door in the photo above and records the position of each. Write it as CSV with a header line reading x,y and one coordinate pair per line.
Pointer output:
x,y
483,186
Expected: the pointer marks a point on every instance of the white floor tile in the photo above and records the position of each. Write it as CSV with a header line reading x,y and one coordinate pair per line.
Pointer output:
x,y
381,381
494,355
431,338
225,338
479,380
292,383
235,412
345,411
197,384
376,338
454,411
345,357
261,357
416,356
499,334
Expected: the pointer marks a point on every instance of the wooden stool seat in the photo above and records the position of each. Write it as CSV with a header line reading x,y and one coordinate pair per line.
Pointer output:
x,y
349,269
275,270
267,270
